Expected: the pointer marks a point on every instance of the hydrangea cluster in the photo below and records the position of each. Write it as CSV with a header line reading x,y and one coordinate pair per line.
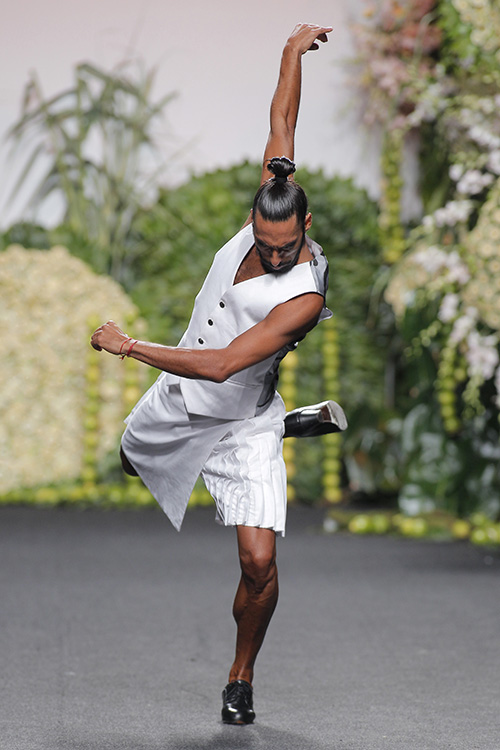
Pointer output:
x,y
49,301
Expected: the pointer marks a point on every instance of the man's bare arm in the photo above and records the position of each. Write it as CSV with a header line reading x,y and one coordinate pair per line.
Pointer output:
x,y
286,99
285,324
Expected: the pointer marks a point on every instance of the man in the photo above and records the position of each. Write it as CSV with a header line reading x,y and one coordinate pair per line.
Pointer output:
x,y
214,409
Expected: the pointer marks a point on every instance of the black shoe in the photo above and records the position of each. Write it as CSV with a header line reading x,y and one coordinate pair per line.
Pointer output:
x,y
237,703
319,419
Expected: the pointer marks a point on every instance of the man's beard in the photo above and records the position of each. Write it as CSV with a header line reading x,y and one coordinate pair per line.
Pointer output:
x,y
283,267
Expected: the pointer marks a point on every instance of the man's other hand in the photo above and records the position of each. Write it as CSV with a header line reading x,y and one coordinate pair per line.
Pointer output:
x,y
303,37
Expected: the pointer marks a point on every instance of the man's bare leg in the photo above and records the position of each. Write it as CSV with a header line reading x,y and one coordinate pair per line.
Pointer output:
x,y
253,608
256,597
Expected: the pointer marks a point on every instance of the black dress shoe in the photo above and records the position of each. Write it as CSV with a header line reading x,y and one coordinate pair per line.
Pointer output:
x,y
237,703
319,419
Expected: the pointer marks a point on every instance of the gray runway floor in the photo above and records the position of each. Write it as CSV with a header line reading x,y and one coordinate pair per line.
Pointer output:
x,y
116,634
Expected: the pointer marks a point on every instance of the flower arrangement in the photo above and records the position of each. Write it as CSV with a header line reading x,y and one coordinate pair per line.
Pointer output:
x,y
421,74
458,268
431,62
62,403
444,285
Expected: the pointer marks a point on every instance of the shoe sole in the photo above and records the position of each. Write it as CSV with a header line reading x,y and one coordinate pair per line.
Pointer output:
x,y
331,412
231,720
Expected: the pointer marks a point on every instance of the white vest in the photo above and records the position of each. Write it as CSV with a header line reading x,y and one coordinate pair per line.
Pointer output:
x,y
222,311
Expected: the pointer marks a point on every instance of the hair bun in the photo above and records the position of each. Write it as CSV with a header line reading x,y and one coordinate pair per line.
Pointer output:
x,y
281,167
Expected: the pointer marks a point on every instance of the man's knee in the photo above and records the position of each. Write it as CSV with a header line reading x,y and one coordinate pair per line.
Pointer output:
x,y
258,566
126,465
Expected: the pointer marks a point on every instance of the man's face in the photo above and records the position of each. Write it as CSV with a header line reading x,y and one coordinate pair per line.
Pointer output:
x,y
278,243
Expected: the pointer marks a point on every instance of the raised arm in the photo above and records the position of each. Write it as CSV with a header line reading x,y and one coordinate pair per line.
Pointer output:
x,y
286,99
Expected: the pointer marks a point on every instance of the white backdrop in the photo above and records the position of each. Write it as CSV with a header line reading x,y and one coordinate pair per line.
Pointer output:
x,y
222,59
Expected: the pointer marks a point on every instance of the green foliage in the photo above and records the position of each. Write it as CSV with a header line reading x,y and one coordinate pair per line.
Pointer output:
x,y
345,225
456,475
179,236
463,50
457,48
435,185
27,235
97,139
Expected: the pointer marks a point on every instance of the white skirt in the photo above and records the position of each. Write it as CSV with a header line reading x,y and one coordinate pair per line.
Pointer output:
x,y
245,472
240,461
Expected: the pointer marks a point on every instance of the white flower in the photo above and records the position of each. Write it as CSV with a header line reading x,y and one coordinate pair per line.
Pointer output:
x,y
482,354
457,270
487,105
432,259
484,137
497,386
409,297
473,182
453,213
494,162
456,171
449,307
463,325
425,111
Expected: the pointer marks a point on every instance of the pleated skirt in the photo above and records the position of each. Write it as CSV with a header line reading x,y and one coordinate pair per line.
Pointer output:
x,y
241,461
245,472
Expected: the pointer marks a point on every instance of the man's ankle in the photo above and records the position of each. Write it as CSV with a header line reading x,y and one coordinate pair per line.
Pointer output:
x,y
244,675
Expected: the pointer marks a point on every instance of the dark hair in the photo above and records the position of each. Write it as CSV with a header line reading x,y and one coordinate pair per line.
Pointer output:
x,y
279,198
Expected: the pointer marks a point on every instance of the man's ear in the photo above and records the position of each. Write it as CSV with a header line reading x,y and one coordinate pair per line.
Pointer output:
x,y
308,221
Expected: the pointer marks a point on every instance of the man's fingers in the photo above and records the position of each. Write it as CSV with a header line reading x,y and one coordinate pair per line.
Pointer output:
x,y
322,38
308,35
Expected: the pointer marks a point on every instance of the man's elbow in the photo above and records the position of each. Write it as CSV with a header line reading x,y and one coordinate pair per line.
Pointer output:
x,y
223,369
218,375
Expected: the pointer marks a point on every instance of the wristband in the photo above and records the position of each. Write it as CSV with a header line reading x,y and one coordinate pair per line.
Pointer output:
x,y
121,347
131,347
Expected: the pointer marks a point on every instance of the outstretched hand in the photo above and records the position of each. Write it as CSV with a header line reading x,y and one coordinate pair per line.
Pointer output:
x,y
304,37
108,337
